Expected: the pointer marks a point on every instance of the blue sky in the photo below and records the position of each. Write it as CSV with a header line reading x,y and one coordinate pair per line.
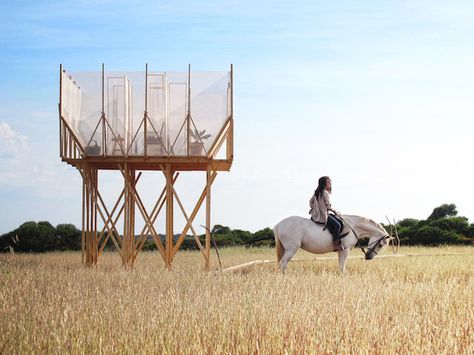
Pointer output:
x,y
376,94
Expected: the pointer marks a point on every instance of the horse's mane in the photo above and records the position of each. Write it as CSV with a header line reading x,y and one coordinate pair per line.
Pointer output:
x,y
367,220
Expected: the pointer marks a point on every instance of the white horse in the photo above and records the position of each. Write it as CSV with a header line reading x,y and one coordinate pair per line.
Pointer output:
x,y
296,232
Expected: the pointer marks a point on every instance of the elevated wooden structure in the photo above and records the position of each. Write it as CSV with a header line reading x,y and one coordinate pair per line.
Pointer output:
x,y
98,133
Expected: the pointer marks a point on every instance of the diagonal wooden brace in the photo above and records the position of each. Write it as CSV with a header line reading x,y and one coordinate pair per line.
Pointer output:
x,y
154,214
144,214
109,219
193,214
196,238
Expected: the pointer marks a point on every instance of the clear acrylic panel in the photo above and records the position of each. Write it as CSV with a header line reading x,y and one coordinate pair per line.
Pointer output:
x,y
209,108
177,101
157,120
86,124
169,128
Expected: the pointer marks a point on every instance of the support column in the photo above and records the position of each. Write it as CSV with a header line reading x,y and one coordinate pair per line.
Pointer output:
x,y
89,216
169,216
208,219
83,233
94,174
126,197
132,220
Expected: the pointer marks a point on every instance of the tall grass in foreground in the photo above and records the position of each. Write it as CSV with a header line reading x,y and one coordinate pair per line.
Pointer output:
x,y
50,303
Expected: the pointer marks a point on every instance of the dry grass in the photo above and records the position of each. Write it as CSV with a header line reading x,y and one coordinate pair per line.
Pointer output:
x,y
50,303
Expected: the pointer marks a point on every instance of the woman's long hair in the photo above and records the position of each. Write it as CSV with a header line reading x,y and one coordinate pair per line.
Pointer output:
x,y
321,186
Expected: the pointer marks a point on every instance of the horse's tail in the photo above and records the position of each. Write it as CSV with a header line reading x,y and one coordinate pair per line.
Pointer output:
x,y
280,250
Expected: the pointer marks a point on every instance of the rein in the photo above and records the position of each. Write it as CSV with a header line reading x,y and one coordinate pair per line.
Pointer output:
x,y
377,242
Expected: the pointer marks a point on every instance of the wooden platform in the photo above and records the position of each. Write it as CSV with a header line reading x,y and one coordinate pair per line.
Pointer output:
x,y
152,163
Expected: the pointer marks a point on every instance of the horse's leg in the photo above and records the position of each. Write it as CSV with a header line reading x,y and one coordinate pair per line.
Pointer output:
x,y
289,253
342,254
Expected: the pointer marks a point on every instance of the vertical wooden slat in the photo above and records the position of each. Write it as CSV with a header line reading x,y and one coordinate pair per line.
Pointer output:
x,y
60,107
102,117
88,249
132,221
230,137
96,241
125,217
146,111
188,116
69,155
64,142
169,216
83,236
208,218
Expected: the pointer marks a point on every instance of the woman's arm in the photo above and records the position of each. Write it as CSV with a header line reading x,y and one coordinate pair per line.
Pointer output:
x,y
327,202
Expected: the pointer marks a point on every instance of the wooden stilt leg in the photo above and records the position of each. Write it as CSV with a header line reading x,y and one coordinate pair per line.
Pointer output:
x,y
169,216
208,219
132,222
126,216
83,234
88,248
94,228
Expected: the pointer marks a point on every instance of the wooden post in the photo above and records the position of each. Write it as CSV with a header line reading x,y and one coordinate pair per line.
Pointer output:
x,y
102,117
132,221
145,119
125,248
60,107
188,115
94,215
83,234
208,218
169,215
88,247
230,137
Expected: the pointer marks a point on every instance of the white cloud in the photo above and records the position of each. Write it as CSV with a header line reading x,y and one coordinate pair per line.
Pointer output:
x,y
12,144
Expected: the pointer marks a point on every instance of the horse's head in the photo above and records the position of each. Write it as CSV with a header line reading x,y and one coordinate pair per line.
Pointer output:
x,y
376,244
381,239
378,236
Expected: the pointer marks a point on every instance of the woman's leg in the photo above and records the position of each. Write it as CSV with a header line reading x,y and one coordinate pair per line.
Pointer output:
x,y
335,226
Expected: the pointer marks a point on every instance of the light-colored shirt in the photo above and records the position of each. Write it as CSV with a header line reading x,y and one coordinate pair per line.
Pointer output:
x,y
320,207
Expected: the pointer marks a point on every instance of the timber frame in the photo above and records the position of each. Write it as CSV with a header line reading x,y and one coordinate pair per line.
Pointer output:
x,y
99,221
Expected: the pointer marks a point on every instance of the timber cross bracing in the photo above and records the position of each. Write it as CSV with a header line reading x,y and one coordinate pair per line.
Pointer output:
x,y
121,138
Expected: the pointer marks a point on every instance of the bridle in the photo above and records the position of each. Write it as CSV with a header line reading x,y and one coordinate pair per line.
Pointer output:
x,y
369,250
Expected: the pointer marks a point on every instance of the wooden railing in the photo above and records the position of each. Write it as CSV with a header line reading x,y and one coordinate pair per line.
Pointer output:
x,y
69,146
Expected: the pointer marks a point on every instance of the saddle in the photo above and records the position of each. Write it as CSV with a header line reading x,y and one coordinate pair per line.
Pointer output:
x,y
345,229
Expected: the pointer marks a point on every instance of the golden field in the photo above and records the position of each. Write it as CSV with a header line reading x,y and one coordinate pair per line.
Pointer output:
x,y
49,303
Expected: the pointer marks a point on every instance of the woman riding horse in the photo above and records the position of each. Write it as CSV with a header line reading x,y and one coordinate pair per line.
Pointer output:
x,y
320,206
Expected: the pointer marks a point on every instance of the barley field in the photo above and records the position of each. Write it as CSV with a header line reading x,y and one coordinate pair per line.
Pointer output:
x,y
49,303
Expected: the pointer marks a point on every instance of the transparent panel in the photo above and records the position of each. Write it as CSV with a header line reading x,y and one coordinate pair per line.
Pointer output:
x,y
177,94
71,100
168,129
86,124
94,145
124,94
157,140
209,108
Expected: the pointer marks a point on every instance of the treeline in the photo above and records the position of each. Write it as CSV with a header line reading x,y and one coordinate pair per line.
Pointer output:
x,y
443,226
41,237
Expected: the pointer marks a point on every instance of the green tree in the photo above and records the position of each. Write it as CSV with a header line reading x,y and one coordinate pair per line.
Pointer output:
x,y
429,235
443,211
263,237
459,225
408,222
220,229
68,237
26,233
470,231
